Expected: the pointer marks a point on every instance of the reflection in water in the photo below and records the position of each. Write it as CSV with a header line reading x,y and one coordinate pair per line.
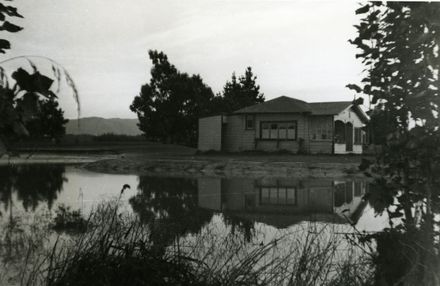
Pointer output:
x,y
284,202
169,206
407,253
204,210
180,205
31,184
175,207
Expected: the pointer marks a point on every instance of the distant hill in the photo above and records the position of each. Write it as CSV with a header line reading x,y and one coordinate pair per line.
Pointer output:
x,y
99,126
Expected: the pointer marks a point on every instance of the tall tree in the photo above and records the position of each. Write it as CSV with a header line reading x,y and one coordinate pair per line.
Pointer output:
x,y
399,43
169,106
242,92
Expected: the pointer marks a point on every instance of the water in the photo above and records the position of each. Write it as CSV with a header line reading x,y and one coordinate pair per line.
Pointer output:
x,y
223,221
219,221
272,203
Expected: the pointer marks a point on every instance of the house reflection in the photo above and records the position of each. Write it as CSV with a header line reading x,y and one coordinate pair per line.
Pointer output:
x,y
284,202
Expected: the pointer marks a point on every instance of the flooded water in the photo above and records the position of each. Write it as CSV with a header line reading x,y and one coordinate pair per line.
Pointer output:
x,y
220,221
272,203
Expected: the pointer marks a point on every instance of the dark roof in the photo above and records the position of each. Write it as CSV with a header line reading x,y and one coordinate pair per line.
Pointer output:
x,y
328,108
362,115
282,104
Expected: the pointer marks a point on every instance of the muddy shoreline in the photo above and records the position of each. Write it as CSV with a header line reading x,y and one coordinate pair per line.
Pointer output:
x,y
224,168
198,166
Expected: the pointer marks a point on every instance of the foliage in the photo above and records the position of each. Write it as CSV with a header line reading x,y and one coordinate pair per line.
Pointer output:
x,y
110,137
399,44
31,185
68,220
170,208
169,106
380,125
241,93
116,249
6,12
29,107
49,122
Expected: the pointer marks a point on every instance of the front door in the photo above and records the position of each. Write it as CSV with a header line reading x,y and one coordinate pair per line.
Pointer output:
x,y
349,137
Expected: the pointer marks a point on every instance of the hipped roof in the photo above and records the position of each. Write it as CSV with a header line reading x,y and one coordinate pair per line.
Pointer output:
x,y
284,104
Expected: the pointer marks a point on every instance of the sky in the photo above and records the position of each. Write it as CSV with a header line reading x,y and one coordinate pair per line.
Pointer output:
x,y
295,48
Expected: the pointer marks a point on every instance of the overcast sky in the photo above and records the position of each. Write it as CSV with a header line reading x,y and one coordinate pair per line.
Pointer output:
x,y
296,48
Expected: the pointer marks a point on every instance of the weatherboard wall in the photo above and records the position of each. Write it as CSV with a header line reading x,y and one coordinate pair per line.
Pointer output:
x,y
236,137
320,146
210,133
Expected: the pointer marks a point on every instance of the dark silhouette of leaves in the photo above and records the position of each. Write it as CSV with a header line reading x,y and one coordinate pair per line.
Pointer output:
x,y
35,82
354,87
7,26
363,9
4,45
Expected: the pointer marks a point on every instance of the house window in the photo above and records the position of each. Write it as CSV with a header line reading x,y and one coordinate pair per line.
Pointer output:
x,y
322,128
278,195
278,130
364,137
250,122
339,132
357,136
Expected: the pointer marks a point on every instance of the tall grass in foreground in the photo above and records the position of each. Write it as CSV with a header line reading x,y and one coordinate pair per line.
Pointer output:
x,y
116,249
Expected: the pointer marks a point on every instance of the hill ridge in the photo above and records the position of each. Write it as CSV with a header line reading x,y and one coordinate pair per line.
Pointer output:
x,y
95,125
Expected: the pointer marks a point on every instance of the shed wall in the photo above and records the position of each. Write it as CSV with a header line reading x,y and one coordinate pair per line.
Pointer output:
x,y
210,133
237,138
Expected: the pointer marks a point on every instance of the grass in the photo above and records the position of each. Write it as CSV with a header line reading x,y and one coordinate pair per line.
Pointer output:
x,y
68,220
111,247
115,249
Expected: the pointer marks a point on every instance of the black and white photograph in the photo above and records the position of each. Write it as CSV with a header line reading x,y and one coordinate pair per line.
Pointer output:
x,y
219,143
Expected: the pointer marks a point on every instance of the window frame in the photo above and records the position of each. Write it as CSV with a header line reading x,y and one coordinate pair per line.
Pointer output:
x,y
279,188
320,124
283,123
252,116
357,140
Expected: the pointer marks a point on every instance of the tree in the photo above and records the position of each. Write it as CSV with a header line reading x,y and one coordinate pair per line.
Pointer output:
x,y
49,122
399,43
242,92
29,105
170,105
381,124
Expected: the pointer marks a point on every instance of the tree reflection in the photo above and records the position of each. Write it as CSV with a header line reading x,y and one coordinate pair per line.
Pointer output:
x,y
169,206
407,253
33,184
